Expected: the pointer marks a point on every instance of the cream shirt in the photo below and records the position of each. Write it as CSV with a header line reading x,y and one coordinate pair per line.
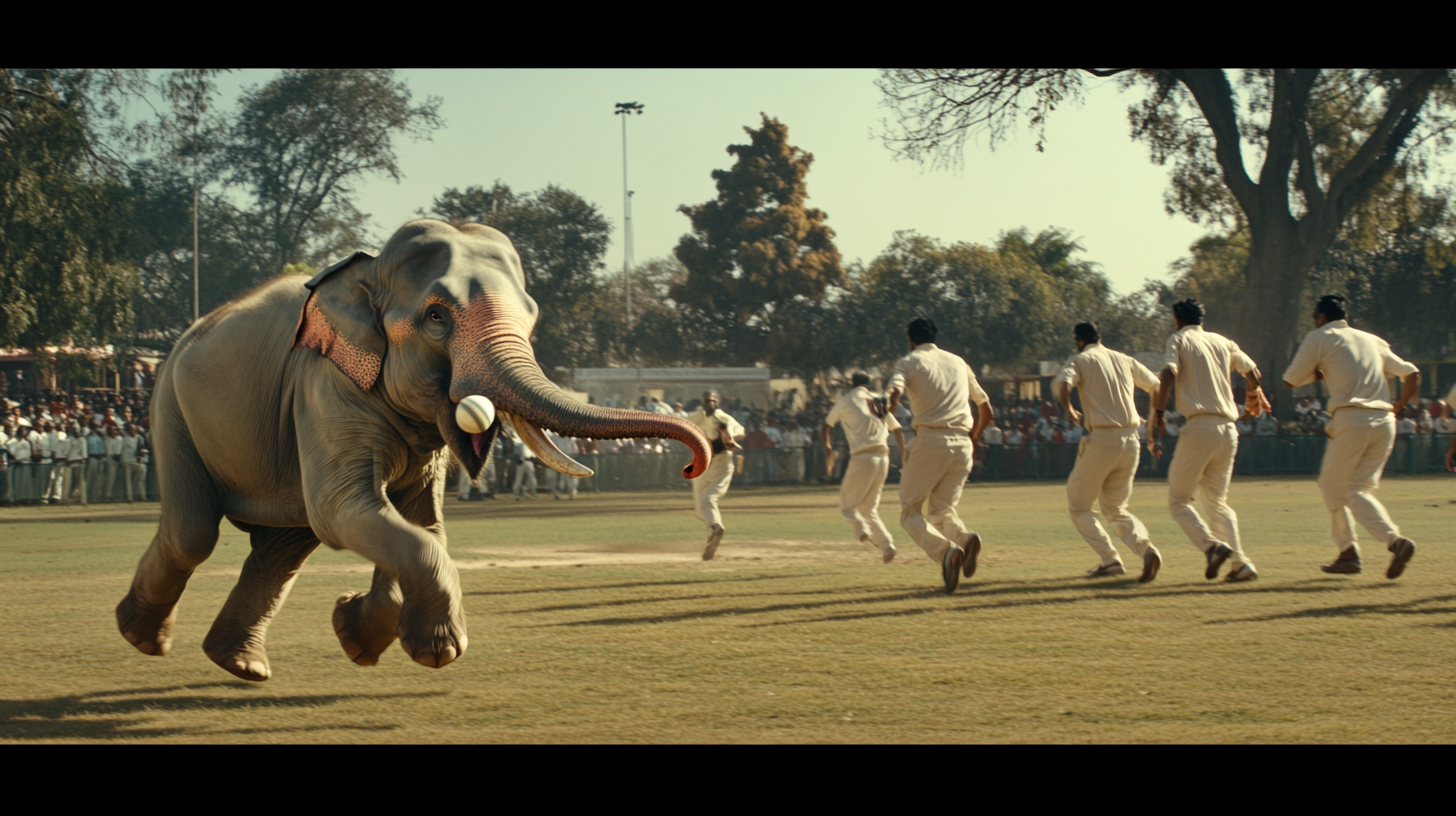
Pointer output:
x,y
940,386
865,431
1106,379
1355,365
1201,361
709,424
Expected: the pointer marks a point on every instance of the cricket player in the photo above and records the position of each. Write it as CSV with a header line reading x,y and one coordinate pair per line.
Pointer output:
x,y
1107,458
941,387
1200,364
867,426
723,432
1354,366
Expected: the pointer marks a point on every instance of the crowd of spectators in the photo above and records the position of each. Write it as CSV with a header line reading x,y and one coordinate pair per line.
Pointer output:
x,y
63,448
92,447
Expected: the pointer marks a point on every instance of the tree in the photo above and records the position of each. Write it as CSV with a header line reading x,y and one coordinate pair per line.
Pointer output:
x,y
160,249
1329,140
562,240
301,142
1006,306
755,249
63,210
1402,286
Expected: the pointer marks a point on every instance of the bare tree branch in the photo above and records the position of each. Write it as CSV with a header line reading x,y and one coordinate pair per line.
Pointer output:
x,y
1215,98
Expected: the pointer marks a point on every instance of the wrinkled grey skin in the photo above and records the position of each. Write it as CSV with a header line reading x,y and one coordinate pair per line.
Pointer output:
x,y
252,422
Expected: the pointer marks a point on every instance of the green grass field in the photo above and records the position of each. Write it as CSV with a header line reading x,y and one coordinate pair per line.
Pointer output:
x,y
596,621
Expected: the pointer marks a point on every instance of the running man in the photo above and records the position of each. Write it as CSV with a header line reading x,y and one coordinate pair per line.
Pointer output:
x,y
1107,458
1200,365
868,433
941,387
723,432
1354,366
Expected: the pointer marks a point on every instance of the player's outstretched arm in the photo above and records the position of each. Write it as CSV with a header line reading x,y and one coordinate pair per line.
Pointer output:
x,y
1159,405
986,416
1408,391
1064,396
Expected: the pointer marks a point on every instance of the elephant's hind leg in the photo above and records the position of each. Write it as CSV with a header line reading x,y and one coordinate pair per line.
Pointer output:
x,y
367,622
236,639
186,536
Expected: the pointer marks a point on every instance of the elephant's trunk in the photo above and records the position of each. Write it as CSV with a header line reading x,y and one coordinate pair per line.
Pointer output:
x,y
492,357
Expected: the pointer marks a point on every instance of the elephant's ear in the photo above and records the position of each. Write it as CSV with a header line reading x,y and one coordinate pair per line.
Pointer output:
x,y
339,320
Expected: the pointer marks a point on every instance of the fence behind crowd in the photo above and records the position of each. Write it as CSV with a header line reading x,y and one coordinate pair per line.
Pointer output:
x,y
110,482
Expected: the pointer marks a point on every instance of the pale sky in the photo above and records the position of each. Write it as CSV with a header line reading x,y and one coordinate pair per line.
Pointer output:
x,y
533,127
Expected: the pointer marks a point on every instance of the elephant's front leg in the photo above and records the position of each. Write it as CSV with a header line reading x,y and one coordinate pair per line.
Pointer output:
x,y
348,453
236,640
431,621
367,622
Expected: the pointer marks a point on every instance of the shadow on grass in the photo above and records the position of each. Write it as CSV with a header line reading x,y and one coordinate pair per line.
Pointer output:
x,y
1416,607
641,584
968,601
122,714
668,599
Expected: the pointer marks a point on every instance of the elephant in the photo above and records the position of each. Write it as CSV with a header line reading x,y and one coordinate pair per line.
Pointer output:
x,y
320,410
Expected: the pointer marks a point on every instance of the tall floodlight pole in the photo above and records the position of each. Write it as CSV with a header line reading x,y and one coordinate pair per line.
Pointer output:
x,y
196,121
625,109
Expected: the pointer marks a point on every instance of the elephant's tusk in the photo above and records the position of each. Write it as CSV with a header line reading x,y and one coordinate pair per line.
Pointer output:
x,y
550,455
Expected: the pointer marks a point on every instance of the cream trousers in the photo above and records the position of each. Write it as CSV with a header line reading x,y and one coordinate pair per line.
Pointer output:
x,y
1360,442
1205,458
859,495
934,473
710,487
1104,471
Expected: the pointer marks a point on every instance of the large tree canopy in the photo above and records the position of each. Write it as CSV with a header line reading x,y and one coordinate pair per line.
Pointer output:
x,y
63,210
1323,142
302,141
1005,306
756,248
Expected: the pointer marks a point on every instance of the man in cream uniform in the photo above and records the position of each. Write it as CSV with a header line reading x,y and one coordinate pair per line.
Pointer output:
x,y
1108,457
723,432
941,388
1200,364
1354,365
869,461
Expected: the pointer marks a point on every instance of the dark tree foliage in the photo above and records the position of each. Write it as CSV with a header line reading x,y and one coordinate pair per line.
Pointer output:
x,y
1005,306
1328,140
160,249
298,146
64,208
562,240
754,250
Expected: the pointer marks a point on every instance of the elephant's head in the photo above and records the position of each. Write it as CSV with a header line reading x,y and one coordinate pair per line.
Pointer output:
x,y
442,314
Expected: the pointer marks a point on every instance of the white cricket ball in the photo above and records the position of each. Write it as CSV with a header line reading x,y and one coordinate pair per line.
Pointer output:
x,y
474,414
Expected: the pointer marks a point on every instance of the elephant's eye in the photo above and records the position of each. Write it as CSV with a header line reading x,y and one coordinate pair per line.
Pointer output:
x,y
435,315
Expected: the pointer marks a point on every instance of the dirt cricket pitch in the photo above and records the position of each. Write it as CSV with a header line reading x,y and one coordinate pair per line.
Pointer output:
x,y
596,621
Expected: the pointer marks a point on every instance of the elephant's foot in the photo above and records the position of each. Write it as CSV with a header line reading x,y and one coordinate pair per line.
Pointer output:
x,y
360,629
146,626
248,661
432,638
